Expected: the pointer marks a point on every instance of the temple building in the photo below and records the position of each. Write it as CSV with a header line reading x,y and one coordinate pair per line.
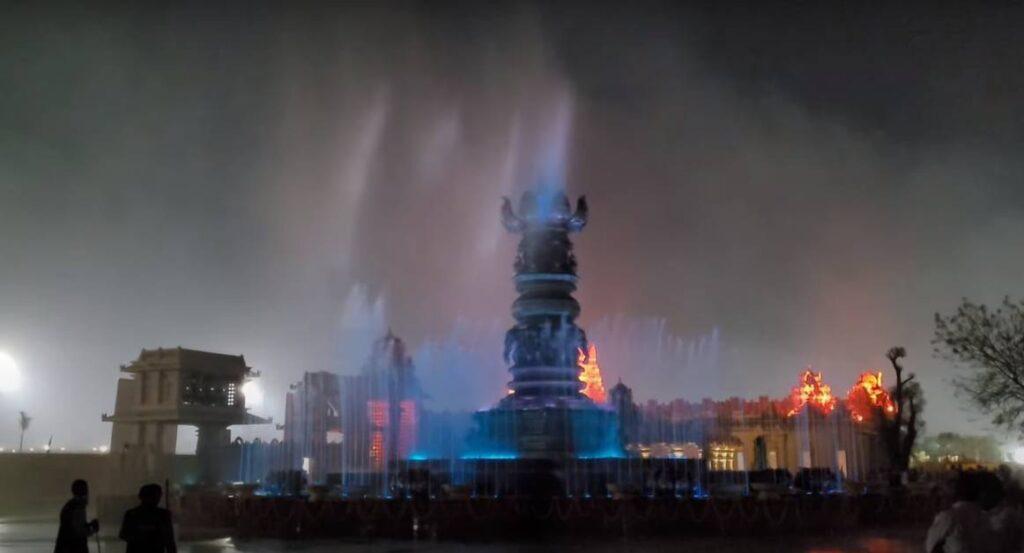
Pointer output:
x,y
810,428
165,388
357,423
312,427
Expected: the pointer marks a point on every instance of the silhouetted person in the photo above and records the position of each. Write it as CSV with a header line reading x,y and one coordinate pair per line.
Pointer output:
x,y
964,527
147,528
74,532
1004,514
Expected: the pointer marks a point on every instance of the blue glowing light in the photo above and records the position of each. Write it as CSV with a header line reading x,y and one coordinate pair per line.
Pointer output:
x,y
610,453
489,456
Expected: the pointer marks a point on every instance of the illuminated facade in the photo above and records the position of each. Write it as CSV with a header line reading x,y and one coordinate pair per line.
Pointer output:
x,y
809,428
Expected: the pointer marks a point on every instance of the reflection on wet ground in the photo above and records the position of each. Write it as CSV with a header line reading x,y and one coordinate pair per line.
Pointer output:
x,y
35,535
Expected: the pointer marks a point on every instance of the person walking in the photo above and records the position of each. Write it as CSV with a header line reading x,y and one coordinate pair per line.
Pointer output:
x,y
147,528
73,534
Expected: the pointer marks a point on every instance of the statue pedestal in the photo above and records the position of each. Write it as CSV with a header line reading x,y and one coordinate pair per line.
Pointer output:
x,y
546,432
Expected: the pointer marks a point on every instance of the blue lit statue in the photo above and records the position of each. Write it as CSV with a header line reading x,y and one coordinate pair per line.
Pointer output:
x,y
545,415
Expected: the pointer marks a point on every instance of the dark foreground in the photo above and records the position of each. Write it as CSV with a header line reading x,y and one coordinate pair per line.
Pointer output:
x,y
35,535
557,518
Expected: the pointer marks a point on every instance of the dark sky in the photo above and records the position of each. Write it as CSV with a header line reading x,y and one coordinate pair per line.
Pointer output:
x,y
770,187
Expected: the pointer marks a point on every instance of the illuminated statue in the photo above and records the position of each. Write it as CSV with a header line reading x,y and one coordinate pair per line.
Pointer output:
x,y
542,349
545,414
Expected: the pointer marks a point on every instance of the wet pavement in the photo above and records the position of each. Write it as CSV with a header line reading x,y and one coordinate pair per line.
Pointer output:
x,y
35,535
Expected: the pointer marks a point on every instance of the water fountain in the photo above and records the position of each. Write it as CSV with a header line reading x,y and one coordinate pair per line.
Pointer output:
x,y
547,456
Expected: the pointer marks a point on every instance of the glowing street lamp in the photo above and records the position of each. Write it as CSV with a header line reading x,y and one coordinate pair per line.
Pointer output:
x,y
253,394
10,376
1018,454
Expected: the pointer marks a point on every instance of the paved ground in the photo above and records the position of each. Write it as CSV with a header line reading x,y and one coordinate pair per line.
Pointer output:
x,y
35,535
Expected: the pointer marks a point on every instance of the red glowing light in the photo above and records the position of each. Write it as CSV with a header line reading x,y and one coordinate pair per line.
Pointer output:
x,y
382,442
811,391
377,412
590,374
868,395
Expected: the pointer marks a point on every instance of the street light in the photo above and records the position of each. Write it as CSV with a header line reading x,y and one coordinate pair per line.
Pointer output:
x,y
1018,454
252,393
10,376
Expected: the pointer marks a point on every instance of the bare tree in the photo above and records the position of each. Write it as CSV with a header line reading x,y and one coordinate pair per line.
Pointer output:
x,y
23,421
990,345
899,432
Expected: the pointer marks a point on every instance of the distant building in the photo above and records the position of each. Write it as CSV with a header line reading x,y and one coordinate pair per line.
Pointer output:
x,y
809,429
356,423
620,398
165,388
313,420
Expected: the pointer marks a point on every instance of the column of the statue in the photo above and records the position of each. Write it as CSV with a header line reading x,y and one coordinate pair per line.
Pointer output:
x,y
542,347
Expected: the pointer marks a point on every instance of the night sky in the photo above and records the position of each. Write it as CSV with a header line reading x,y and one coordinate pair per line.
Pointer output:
x,y
770,188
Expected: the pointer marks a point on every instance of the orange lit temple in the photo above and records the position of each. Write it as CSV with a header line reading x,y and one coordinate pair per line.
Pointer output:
x,y
590,375
810,427
867,396
812,391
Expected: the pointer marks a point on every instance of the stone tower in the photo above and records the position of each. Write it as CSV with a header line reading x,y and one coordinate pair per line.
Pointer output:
x,y
543,347
545,415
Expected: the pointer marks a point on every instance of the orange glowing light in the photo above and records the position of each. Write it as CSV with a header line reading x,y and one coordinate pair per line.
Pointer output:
x,y
867,395
377,411
377,449
812,391
590,374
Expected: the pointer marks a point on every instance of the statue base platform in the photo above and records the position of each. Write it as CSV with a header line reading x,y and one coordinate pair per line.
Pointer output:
x,y
531,429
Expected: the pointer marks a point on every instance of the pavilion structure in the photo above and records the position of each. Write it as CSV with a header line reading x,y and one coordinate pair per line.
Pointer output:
x,y
165,388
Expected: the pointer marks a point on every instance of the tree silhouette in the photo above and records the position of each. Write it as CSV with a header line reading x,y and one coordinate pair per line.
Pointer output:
x,y
899,432
23,421
990,344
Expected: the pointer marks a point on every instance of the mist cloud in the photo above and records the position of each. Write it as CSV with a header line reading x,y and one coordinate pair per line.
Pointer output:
x,y
231,178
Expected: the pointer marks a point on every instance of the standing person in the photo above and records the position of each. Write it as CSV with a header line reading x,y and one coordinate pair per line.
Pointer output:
x,y
74,532
964,527
1004,514
147,528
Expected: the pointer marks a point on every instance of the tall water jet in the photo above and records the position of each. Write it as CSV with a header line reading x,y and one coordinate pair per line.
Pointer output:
x,y
545,415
